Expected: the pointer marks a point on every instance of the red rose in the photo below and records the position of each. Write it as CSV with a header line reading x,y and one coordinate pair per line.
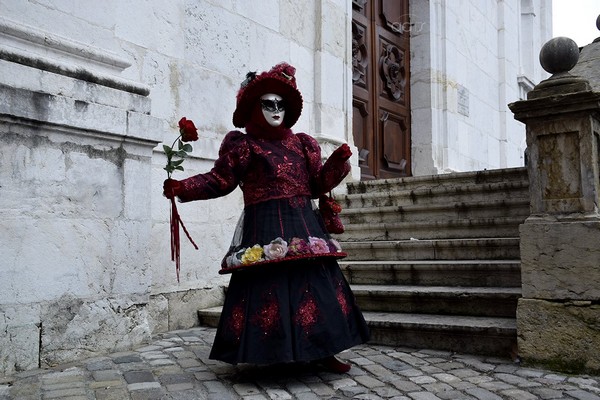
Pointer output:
x,y
189,132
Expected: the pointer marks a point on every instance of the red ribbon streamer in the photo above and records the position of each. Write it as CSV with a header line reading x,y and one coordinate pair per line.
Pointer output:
x,y
175,244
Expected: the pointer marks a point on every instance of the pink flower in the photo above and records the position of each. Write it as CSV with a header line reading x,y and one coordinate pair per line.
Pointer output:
x,y
318,245
334,246
298,246
278,248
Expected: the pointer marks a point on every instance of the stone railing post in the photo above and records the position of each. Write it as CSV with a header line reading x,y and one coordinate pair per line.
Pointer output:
x,y
558,317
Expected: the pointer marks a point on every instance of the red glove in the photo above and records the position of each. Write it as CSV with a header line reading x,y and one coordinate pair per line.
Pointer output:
x,y
171,188
343,152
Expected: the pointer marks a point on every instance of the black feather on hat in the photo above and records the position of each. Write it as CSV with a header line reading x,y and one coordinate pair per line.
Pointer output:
x,y
279,80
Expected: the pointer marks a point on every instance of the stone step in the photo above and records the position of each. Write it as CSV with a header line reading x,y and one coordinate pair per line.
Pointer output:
x,y
445,300
434,261
432,229
451,249
440,212
482,273
424,194
460,334
210,316
508,176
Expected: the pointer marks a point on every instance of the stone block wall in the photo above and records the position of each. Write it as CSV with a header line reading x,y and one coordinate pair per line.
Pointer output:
x,y
560,335
75,231
558,318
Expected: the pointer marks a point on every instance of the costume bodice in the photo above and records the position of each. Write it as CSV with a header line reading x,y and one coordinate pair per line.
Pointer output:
x,y
276,169
267,168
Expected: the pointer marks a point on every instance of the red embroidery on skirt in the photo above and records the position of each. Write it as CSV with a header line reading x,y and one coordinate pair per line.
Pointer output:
x,y
343,300
268,317
307,314
235,323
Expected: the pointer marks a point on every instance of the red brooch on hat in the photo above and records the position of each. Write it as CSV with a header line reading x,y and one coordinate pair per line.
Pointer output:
x,y
280,80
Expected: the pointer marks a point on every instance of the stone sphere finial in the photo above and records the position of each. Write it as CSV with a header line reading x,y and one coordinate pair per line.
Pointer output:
x,y
559,54
598,22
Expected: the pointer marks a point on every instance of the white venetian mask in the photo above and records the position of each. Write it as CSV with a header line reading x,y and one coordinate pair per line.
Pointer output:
x,y
273,108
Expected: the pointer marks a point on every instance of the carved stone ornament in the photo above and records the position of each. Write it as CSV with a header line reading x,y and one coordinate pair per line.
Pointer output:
x,y
359,55
393,72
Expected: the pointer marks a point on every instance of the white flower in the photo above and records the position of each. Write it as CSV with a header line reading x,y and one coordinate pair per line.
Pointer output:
x,y
235,259
278,248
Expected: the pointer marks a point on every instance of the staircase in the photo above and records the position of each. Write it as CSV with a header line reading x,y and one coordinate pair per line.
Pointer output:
x,y
434,261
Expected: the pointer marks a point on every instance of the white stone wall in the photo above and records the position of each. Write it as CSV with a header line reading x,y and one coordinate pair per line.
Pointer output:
x,y
75,226
88,91
470,59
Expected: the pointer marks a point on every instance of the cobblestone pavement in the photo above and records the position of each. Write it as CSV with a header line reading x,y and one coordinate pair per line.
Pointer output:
x,y
176,366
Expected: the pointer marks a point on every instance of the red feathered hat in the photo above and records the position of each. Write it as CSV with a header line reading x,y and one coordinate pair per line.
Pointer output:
x,y
279,80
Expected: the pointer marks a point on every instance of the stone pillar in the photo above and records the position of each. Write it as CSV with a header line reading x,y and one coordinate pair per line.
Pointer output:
x,y
558,317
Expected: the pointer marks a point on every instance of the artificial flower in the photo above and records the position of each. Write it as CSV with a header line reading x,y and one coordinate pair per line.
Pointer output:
x,y
318,245
252,254
235,259
298,246
278,248
187,133
334,246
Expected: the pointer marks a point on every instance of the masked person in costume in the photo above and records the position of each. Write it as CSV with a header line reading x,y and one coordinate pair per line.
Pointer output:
x,y
287,299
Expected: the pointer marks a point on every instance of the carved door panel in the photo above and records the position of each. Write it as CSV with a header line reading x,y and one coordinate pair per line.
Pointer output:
x,y
381,98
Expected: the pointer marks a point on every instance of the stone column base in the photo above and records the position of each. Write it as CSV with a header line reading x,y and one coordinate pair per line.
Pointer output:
x,y
560,259
561,336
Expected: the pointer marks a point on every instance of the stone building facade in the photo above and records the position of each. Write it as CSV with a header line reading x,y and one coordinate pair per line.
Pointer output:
x,y
89,91
469,60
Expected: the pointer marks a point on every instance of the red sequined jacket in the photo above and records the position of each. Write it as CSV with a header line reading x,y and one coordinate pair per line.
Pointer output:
x,y
266,169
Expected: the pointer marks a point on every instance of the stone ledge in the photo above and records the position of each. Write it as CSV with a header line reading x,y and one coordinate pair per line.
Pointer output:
x,y
179,310
46,51
84,116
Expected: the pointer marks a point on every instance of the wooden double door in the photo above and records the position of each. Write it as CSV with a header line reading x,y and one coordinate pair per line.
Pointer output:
x,y
381,87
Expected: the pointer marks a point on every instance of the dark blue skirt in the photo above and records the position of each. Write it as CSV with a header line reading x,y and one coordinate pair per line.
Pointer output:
x,y
293,309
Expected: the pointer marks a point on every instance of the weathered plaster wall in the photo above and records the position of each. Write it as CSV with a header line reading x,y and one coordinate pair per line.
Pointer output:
x,y
75,164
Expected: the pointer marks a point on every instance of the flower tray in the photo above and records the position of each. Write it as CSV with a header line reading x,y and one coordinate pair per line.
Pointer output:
x,y
228,270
